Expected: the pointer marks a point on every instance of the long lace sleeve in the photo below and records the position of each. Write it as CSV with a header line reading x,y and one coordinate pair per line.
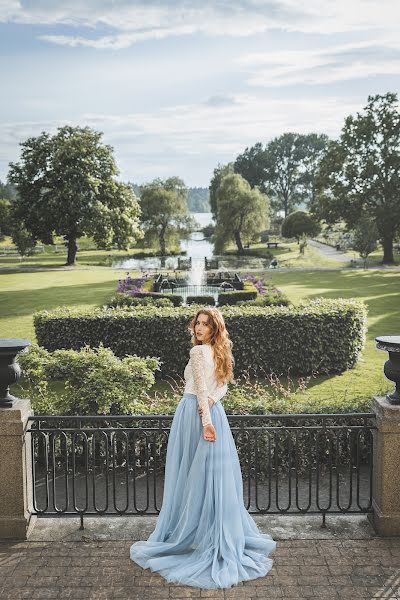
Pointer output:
x,y
219,392
197,360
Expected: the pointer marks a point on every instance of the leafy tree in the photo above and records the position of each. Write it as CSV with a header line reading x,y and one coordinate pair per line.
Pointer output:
x,y
365,238
219,172
66,186
284,178
5,218
242,212
314,148
360,173
251,165
298,224
164,210
23,239
285,169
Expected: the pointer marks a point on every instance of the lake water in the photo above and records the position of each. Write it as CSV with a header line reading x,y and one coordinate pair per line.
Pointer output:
x,y
198,249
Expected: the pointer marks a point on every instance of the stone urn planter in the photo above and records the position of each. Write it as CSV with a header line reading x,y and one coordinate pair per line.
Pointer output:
x,y
10,370
391,343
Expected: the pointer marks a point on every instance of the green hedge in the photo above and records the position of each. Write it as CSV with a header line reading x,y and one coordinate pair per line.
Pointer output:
x,y
268,299
129,300
225,298
175,299
205,300
249,292
323,336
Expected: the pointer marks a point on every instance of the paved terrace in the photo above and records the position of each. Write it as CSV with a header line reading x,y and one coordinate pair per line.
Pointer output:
x,y
344,561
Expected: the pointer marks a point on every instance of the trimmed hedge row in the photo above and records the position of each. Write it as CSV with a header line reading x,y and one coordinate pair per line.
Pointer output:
x,y
248,292
175,299
204,300
127,300
226,298
323,336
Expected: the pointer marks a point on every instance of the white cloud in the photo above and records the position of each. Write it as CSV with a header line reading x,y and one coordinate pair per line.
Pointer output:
x,y
320,66
134,21
189,140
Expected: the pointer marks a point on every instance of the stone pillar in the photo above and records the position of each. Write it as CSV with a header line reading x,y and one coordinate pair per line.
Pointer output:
x,y
16,520
385,517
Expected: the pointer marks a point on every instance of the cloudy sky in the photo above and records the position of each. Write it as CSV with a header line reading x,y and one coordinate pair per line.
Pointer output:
x,y
179,86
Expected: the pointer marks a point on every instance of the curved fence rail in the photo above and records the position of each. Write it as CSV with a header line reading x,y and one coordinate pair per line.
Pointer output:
x,y
291,464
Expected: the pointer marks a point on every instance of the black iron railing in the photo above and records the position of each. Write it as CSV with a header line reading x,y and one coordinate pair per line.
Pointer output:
x,y
291,464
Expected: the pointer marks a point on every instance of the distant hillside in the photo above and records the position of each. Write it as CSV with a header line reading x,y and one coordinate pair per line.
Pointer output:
x,y
198,199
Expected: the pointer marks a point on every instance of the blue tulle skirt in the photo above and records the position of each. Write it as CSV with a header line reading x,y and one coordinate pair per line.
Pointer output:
x,y
204,536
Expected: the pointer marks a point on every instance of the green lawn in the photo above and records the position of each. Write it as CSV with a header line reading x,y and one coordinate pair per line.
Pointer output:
x,y
24,293
375,258
381,292
95,258
288,255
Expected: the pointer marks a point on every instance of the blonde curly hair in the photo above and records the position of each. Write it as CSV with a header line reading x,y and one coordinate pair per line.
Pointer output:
x,y
220,343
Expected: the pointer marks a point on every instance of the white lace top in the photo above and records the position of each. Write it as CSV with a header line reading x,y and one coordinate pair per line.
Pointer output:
x,y
199,375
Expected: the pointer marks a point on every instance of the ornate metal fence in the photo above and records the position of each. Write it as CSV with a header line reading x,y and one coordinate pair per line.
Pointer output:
x,y
291,464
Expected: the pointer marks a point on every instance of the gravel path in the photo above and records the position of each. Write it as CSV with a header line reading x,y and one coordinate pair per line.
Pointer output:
x,y
328,251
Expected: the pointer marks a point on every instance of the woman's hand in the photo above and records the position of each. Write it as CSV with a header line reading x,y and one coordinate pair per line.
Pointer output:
x,y
209,433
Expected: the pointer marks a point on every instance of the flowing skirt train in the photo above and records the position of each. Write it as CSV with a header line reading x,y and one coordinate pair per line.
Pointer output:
x,y
204,536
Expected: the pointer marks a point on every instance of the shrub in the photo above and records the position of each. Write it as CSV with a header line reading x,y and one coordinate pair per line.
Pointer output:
x,y
268,294
206,300
95,381
128,300
300,223
249,292
324,336
140,288
231,298
130,284
174,298
268,299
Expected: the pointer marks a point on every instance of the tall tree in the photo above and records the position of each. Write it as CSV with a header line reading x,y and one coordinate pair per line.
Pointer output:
x,y
251,165
314,149
66,186
283,172
242,212
164,210
360,173
285,169
365,237
219,172
299,224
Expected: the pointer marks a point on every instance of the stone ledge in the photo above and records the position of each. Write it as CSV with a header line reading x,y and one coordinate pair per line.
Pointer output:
x,y
284,527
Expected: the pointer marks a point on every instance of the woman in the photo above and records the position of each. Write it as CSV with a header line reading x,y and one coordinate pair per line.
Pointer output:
x,y
204,536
